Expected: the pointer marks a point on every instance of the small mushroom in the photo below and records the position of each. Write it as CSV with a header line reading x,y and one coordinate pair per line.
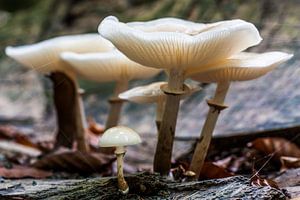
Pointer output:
x,y
106,67
120,137
240,67
152,93
177,46
44,57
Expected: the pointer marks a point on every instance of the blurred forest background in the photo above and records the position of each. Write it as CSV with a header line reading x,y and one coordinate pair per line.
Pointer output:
x,y
270,102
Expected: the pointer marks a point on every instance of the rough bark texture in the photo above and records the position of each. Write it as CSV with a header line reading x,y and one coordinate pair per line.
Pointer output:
x,y
142,186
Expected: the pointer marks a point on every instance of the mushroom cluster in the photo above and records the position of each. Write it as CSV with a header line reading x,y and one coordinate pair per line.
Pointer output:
x,y
185,49
106,67
44,57
206,53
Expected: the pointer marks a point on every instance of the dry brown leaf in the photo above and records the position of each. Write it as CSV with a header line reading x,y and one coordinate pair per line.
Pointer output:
x,y
95,127
75,161
9,147
23,172
24,140
8,132
278,146
210,171
256,180
12,133
289,162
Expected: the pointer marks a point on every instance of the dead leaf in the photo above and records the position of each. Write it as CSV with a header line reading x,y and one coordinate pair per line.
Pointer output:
x,y
95,127
225,162
23,172
8,132
278,146
210,171
13,147
75,161
289,162
12,133
24,140
256,180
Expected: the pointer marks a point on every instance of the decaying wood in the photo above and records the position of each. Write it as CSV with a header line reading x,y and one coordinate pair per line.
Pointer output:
x,y
142,186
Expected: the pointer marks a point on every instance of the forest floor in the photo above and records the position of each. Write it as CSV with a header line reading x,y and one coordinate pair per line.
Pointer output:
x,y
265,168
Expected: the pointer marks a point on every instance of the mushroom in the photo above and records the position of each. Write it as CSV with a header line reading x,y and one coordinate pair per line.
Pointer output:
x,y
152,93
240,67
106,67
44,58
120,137
177,46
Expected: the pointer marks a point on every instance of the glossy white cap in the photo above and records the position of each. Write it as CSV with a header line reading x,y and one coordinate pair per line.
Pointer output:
x,y
119,136
107,66
44,56
242,67
151,93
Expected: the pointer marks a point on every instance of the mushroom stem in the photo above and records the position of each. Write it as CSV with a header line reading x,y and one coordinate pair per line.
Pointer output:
x,y
68,111
81,121
81,105
116,105
216,106
163,154
159,112
122,184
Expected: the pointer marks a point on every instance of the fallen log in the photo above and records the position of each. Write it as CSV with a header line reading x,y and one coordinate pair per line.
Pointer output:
x,y
142,186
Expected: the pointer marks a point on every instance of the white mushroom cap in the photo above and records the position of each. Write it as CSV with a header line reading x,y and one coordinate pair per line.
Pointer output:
x,y
119,136
168,24
151,93
242,67
174,43
107,66
45,56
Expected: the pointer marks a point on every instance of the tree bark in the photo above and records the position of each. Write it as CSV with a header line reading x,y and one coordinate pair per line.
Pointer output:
x,y
142,186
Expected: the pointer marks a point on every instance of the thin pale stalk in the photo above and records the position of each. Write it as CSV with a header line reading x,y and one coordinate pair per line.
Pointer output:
x,y
163,154
81,104
116,105
122,184
208,128
80,121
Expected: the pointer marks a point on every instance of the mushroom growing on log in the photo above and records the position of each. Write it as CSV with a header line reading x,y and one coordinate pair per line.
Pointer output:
x,y
177,46
240,67
120,137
